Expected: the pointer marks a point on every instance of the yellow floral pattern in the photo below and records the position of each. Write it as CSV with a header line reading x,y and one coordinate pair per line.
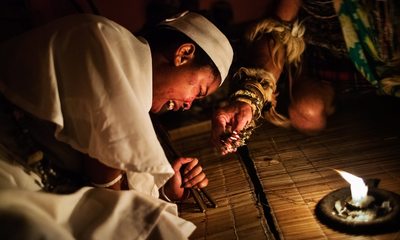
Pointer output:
x,y
362,44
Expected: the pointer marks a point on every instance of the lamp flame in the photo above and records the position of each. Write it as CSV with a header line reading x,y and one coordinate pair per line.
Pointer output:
x,y
357,187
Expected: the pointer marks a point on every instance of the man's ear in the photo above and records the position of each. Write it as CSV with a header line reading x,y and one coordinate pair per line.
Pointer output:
x,y
184,54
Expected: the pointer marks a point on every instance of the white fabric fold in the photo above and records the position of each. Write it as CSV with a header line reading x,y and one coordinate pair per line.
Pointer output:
x,y
90,213
93,79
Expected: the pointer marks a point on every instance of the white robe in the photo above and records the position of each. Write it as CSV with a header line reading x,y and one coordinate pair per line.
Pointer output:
x,y
90,213
93,79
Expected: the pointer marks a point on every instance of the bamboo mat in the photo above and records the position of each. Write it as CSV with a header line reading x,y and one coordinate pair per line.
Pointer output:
x,y
295,170
238,215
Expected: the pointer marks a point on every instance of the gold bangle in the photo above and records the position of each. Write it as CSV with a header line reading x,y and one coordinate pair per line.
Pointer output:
x,y
246,92
256,86
254,99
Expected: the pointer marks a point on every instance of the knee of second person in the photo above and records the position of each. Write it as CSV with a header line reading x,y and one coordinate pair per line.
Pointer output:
x,y
307,118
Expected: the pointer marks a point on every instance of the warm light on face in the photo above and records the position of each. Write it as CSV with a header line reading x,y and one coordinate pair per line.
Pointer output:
x,y
357,186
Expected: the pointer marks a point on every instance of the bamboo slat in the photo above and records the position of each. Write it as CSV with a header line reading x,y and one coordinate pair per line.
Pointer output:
x,y
295,172
365,143
238,215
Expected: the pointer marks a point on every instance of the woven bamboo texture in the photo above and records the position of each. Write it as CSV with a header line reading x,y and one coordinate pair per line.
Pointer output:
x,y
363,138
296,171
238,215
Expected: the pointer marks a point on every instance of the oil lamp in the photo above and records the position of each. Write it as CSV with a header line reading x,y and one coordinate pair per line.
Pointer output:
x,y
358,189
360,209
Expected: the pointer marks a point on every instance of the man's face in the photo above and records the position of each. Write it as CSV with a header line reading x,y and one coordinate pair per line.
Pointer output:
x,y
178,87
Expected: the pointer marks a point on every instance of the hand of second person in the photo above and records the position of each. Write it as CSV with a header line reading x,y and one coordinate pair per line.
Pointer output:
x,y
233,117
188,173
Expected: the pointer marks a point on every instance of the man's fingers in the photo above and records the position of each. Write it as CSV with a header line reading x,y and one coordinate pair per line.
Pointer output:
x,y
192,173
199,180
218,128
178,163
243,117
190,165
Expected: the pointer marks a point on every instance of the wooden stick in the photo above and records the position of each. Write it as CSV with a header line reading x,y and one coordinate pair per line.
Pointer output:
x,y
198,199
209,197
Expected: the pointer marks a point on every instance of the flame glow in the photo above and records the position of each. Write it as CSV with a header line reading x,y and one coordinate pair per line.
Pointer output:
x,y
357,186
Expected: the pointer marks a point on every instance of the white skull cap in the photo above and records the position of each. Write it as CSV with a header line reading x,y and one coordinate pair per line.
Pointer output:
x,y
207,36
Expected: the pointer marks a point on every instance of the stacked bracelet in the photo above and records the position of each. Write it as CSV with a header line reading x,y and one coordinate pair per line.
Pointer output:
x,y
287,37
258,89
108,184
249,97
